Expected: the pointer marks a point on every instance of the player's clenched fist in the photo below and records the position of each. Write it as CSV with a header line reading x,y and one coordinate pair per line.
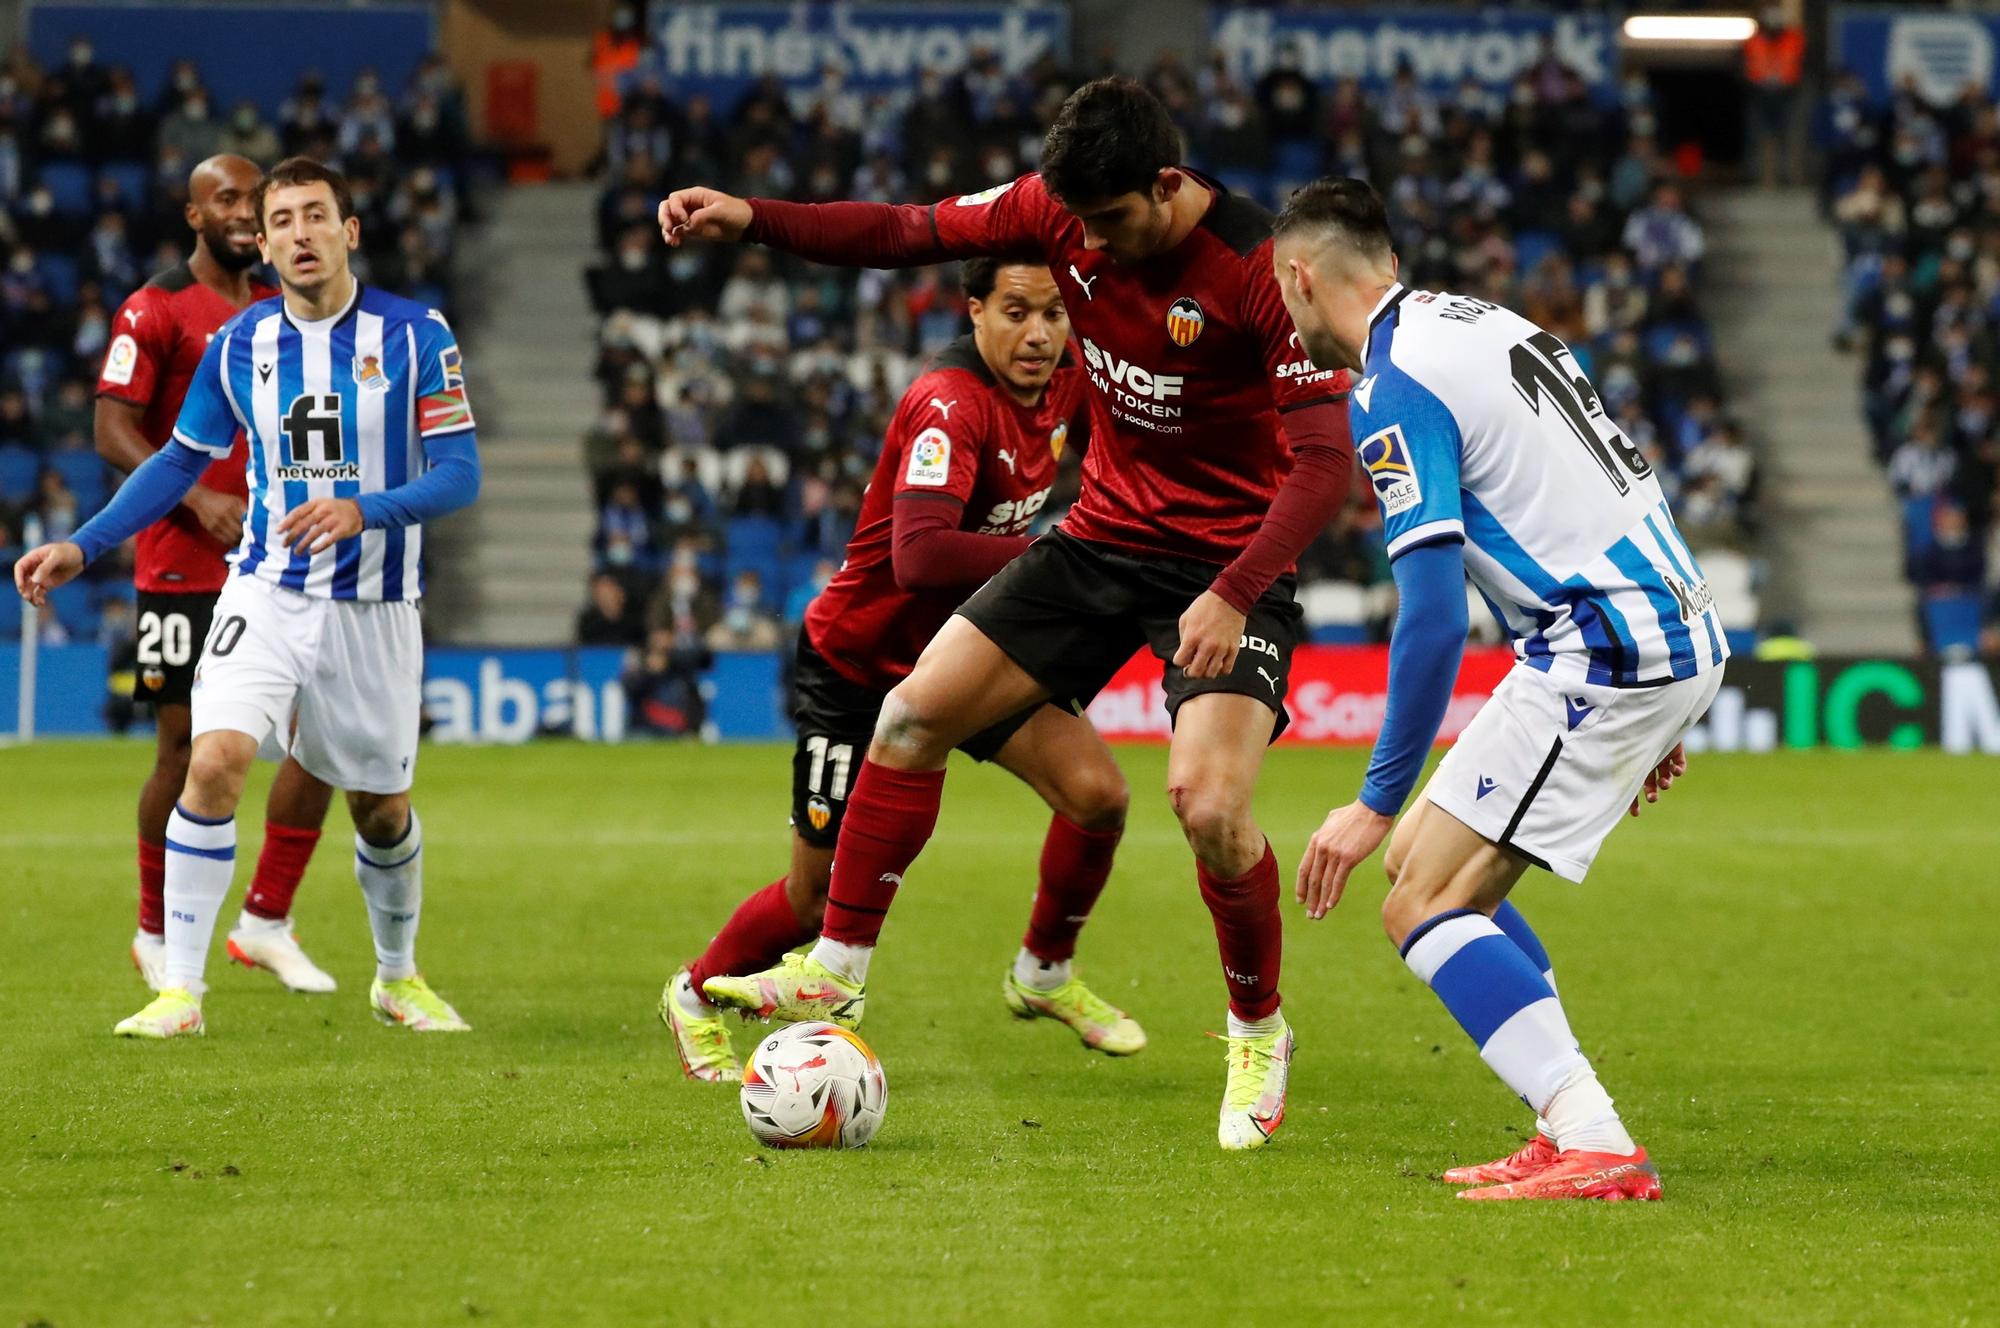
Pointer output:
x,y
702,213
42,569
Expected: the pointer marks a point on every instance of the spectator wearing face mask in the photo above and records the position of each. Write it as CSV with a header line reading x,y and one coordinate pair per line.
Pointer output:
x,y
663,688
248,135
746,623
190,128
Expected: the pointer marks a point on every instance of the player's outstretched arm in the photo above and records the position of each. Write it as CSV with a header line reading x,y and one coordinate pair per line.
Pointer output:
x,y
1424,652
861,234
152,491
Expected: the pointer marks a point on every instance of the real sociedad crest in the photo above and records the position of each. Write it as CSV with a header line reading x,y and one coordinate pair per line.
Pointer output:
x,y
1184,321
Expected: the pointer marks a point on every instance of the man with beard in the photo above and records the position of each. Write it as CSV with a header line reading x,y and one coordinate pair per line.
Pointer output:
x,y
158,337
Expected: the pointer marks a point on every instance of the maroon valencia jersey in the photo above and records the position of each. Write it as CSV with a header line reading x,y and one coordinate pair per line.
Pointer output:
x,y
1192,354
158,337
957,433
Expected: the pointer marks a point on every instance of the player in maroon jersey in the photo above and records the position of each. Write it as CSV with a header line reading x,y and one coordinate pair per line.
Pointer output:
x,y
159,334
968,462
1195,507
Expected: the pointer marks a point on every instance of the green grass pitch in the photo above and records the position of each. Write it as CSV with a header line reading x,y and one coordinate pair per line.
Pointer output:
x,y
1785,974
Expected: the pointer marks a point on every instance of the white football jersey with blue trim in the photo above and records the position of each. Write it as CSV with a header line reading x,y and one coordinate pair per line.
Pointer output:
x,y
1475,424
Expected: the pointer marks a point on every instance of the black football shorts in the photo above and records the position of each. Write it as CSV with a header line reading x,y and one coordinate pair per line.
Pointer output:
x,y
835,719
171,629
1070,612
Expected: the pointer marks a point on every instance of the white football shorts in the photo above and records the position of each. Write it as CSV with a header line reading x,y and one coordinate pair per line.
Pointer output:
x,y
350,671
1548,770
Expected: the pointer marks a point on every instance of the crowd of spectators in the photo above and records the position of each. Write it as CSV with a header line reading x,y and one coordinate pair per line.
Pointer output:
x,y
1914,189
93,185
745,393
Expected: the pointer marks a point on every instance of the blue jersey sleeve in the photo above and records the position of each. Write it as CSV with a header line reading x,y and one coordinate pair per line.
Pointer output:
x,y
208,420
442,406
1410,445
1424,653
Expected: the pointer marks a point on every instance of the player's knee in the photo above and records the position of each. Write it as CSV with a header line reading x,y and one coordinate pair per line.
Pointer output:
x,y
1217,823
379,819
905,736
1098,799
213,781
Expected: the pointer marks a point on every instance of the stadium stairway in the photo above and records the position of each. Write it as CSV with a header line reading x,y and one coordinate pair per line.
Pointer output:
x,y
524,557
1830,533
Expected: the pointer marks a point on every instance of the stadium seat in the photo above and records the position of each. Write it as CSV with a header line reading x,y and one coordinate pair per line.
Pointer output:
x,y
83,472
70,184
1531,247
757,544
1294,163
134,179
60,275
708,466
10,605
20,468
75,609
736,462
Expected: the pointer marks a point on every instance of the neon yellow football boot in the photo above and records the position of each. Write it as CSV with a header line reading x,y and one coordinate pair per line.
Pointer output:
x,y
411,1003
798,989
1102,1026
175,1012
1253,1102
701,1040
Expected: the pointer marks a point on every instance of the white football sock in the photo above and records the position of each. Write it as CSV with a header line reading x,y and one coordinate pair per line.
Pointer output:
x,y
201,860
392,881
689,1000
1242,1028
1580,1115
848,962
1542,1122
1038,974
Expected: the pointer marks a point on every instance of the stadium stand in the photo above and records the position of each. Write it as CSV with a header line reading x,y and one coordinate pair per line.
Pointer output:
x,y
745,394
1914,191
93,182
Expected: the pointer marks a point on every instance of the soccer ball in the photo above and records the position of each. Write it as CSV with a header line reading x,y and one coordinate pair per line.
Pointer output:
x,y
814,1085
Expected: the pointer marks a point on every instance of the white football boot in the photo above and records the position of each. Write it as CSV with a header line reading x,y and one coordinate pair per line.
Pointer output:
x,y
269,943
149,956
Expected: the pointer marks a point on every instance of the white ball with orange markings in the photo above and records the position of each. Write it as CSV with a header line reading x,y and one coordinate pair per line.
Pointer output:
x,y
813,1085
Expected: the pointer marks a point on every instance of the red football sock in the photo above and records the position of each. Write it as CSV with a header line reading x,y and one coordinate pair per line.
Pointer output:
x,y
1248,933
152,887
287,850
890,816
1075,864
756,936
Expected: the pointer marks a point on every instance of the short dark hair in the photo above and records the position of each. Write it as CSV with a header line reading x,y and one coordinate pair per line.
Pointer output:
x,y
1344,205
1111,137
303,170
976,276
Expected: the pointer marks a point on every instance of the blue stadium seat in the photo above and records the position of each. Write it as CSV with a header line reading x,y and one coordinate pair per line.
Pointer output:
x,y
75,609
1531,247
34,371
10,605
757,544
60,275
70,183
83,472
135,181
20,468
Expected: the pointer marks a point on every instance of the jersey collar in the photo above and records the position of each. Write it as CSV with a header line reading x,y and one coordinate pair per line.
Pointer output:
x,y
1390,299
328,323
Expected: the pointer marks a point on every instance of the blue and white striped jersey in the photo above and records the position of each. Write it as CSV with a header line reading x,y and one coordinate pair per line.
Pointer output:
x,y
1474,423
334,408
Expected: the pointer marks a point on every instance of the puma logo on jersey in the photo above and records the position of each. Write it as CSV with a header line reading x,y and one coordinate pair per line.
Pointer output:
x,y
1078,278
133,316
944,407
1268,677
1007,457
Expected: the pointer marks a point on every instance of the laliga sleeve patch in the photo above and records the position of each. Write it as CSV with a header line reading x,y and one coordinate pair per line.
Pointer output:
x,y
1387,457
930,459
985,195
121,359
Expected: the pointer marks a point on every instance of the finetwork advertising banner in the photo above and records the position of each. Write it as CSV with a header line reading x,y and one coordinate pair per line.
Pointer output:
x,y
1443,47
720,50
1940,52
